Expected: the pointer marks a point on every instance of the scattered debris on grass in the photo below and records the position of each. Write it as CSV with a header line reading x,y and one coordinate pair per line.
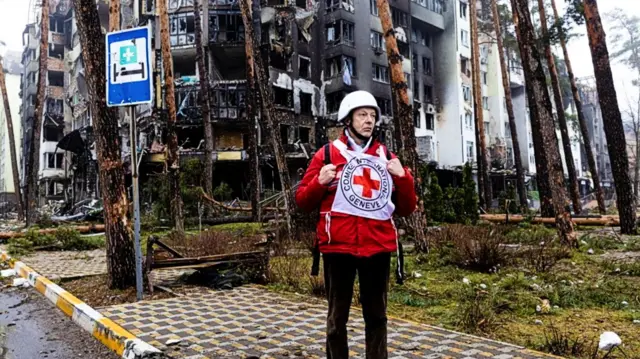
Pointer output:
x,y
95,292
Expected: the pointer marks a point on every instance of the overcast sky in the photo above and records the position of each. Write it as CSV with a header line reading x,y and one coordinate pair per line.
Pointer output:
x,y
16,13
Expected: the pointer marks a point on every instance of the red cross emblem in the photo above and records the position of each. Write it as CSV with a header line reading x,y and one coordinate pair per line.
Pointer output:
x,y
368,184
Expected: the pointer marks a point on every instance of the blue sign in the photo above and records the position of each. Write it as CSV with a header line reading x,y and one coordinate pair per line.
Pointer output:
x,y
129,76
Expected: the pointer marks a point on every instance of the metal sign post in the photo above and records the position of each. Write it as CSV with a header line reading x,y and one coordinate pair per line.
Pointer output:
x,y
129,83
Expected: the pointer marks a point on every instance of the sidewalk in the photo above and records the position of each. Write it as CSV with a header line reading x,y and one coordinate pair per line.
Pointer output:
x,y
253,322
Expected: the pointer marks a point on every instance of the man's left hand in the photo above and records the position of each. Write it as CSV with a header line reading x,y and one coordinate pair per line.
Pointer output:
x,y
395,168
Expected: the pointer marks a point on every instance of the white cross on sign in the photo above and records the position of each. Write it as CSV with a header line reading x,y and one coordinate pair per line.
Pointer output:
x,y
123,70
128,54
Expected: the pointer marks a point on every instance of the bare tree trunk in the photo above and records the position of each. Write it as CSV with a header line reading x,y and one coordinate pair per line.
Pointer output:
x,y
269,113
204,98
542,123
584,131
173,161
114,15
562,120
33,165
512,119
12,144
254,126
611,117
542,177
120,252
636,169
403,114
483,159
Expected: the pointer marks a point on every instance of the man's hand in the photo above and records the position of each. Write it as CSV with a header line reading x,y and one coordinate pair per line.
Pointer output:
x,y
395,168
327,174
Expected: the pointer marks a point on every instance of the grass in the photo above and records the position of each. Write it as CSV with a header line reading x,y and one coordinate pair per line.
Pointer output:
x,y
585,294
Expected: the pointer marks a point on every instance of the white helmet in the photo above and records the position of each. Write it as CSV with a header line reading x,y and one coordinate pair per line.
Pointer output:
x,y
356,100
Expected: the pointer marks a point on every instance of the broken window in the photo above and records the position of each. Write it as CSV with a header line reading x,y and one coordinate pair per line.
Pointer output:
x,y
416,119
399,18
336,65
176,4
52,134
53,160
226,26
305,103
426,65
385,106
186,97
55,78
340,32
183,66
430,122
304,67
304,134
182,29
56,24
228,99
428,94
277,2
373,6
333,101
56,51
333,5
466,92
284,134
465,66
403,49
282,97
377,40
55,107
380,73
55,188
301,4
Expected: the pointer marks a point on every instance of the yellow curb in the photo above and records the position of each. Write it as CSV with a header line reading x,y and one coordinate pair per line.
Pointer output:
x,y
109,333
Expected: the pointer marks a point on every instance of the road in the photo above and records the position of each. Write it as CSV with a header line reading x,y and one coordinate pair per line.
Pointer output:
x,y
31,327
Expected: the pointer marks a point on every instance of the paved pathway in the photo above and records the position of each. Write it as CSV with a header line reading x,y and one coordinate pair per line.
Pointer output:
x,y
253,322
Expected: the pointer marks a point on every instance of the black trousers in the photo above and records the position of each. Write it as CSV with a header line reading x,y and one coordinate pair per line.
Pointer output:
x,y
339,277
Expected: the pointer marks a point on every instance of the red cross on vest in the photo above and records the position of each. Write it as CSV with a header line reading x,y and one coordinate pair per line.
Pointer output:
x,y
368,184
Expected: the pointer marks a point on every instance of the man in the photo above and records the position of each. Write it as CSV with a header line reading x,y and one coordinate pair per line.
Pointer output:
x,y
352,180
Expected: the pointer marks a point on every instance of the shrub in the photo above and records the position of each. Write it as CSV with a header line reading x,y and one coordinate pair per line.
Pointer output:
x,y
561,343
470,194
478,308
70,239
223,192
479,248
19,246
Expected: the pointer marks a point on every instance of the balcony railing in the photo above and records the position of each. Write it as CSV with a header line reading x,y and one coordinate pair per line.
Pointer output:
x,y
226,27
227,101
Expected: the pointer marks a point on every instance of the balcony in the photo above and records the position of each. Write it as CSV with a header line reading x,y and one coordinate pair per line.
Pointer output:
x,y
54,64
429,11
182,30
226,28
58,38
228,101
55,92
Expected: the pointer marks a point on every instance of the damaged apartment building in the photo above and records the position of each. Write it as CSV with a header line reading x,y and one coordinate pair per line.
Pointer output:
x,y
289,43
53,174
315,51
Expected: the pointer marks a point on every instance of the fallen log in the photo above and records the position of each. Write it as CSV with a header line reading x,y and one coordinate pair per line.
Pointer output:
x,y
82,229
603,221
238,209
233,257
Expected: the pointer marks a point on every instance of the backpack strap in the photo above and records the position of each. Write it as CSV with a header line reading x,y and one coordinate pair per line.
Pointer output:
x,y
327,154
315,266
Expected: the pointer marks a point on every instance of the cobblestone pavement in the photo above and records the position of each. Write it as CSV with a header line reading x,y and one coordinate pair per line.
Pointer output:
x,y
253,322
67,265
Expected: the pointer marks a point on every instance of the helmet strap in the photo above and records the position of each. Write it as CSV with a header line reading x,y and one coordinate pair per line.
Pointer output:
x,y
355,133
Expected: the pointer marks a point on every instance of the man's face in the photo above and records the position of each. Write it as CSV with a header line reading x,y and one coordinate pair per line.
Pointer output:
x,y
364,120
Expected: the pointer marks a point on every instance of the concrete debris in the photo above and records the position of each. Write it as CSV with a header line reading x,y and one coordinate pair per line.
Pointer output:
x,y
609,340
538,322
7,273
20,282
590,251
172,342
466,281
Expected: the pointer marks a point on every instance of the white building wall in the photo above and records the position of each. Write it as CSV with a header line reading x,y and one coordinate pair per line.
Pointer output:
x,y
6,170
454,133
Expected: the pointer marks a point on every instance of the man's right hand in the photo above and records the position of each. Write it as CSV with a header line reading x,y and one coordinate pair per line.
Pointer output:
x,y
327,174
